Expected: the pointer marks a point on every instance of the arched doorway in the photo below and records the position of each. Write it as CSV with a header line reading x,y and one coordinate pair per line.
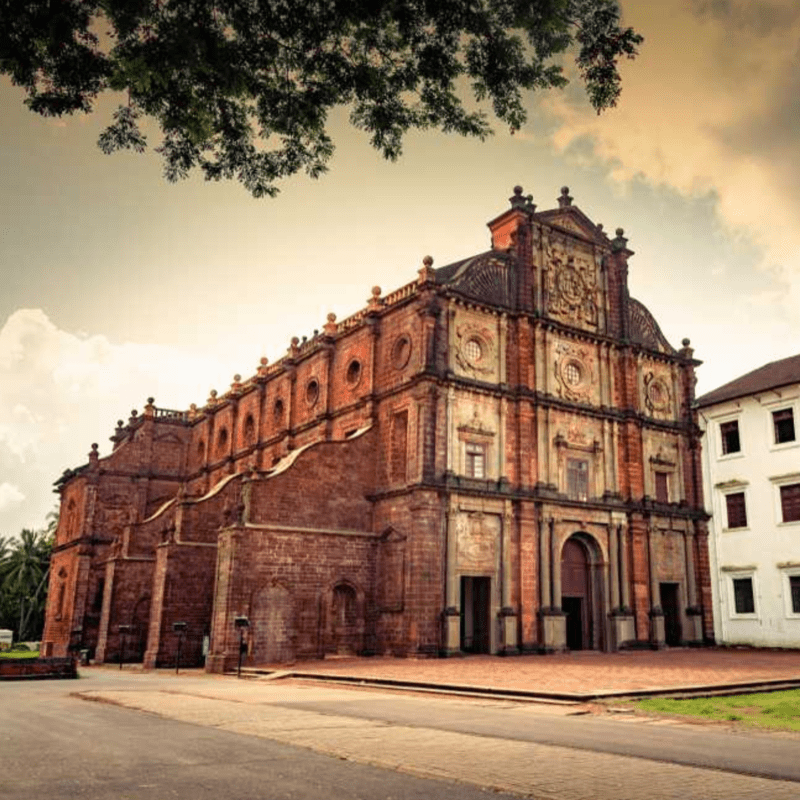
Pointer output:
x,y
581,593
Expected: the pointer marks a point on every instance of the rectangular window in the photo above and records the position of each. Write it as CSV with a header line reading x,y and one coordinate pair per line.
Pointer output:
x,y
730,437
794,588
662,487
577,479
743,596
783,423
737,511
790,502
476,460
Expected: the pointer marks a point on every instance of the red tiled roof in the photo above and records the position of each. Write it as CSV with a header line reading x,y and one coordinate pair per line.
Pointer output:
x,y
770,376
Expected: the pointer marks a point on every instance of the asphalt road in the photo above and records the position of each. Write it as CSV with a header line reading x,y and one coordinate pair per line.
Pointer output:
x,y
54,745
59,747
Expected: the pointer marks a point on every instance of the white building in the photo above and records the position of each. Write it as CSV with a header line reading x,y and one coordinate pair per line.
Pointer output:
x,y
751,473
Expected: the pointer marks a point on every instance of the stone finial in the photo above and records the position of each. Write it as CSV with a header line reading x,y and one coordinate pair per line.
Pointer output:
x,y
212,397
94,456
426,272
529,204
134,416
150,409
517,200
619,242
263,363
294,346
686,350
237,383
375,299
565,200
330,327
193,411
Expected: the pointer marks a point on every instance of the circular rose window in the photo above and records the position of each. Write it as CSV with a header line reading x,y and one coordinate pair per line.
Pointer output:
x,y
572,373
473,351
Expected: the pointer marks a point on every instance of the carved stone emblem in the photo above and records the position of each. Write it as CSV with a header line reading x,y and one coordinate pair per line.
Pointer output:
x,y
570,282
574,377
475,348
657,394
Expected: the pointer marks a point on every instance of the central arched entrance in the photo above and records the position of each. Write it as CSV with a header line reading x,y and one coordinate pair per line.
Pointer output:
x,y
581,593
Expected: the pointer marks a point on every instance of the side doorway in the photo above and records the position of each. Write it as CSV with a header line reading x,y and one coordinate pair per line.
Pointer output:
x,y
671,606
475,607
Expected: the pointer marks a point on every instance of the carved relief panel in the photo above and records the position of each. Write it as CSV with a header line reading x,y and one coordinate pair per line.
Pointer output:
x,y
571,288
576,372
478,537
475,346
656,392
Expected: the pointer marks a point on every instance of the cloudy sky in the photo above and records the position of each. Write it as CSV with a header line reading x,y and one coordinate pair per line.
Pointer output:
x,y
117,285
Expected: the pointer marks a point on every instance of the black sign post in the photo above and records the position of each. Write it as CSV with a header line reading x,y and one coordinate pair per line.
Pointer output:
x,y
180,629
242,623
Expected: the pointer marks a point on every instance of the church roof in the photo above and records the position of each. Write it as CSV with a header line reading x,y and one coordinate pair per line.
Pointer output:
x,y
770,376
644,330
487,277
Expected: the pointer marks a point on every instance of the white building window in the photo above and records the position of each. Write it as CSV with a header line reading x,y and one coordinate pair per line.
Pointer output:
x,y
730,442
783,425
787,498
736,510
742,595
791,592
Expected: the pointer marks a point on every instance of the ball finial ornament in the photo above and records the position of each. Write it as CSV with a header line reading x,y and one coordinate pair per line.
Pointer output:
x,y
620,232
331,317
428,261
686,342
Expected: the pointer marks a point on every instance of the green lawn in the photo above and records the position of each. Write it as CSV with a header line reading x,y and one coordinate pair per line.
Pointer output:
x,y
19,654
776,710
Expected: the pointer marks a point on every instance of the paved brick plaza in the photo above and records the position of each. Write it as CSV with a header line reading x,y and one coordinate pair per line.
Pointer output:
x,y
577,672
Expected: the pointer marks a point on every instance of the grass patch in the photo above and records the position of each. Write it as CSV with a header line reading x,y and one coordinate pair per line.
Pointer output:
x,y
19,654
776,710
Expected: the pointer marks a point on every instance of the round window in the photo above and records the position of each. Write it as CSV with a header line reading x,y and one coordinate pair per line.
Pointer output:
x,y
354,372
572,373
312,392
401,352
473,351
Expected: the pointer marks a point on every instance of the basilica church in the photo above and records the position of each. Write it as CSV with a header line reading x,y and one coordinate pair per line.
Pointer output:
x,y
499,457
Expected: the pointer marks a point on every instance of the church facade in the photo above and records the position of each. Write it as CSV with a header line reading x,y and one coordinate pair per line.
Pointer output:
x,y
499,457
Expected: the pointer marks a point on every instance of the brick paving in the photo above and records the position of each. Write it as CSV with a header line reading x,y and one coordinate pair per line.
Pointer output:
x,y
581,672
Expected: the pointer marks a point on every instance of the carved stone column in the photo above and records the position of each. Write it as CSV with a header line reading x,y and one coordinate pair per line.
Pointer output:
x,y
451,627
694,614
553,620
657,635
508,615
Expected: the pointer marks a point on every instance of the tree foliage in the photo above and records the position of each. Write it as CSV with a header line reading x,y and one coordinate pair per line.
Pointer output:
x,y
24,569
242,88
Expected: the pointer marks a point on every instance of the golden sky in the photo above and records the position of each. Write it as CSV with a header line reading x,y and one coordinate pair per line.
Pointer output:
x,y
118,285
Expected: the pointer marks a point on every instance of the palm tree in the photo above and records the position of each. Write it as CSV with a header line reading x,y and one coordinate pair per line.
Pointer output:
x,y
24,575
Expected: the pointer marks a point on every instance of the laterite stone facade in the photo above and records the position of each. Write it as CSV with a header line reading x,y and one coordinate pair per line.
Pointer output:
x,y
500,456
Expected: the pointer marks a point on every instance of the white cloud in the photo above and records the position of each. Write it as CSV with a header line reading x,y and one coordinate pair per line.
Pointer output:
x,y
60,391
10,496
711,105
